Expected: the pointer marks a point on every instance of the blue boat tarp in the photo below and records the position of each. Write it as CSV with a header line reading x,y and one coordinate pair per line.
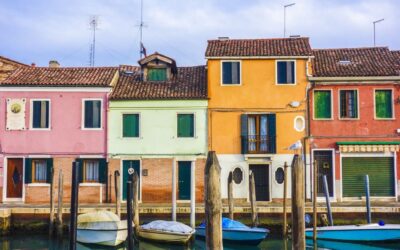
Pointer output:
x,y
236,225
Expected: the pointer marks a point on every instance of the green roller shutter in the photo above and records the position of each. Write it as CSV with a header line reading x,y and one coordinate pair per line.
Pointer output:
x,y
379,169
130,125
383,104
322,104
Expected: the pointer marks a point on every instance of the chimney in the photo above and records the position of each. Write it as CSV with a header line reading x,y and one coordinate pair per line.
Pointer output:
x,y
54,64
223,38
33,64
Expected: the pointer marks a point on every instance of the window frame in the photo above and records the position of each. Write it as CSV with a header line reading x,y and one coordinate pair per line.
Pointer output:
x,y
194,125
222,73
31,114
313,103
83,113
295,72
84,180
393,106
33,177
122,125
358,105
304,123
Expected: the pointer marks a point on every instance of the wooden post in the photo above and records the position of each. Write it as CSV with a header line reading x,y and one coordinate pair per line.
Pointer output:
x,y
60,205
135,185
213,205
367,200
117,194
328,203
110,189
315,196
51,222
230,195
193,195
254,217
284,225
174,190
298,225
74,205
129,214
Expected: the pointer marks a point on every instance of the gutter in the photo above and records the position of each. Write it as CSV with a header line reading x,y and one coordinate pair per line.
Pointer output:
x,y
354,78
257,57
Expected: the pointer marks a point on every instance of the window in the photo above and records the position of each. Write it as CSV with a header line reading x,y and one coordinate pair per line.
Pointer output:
x,y
130,125
299,123
39,170
230,73
383,104
157,74
322,104
286,72
348,104
185,125
91,171
258,133
92,114
40,114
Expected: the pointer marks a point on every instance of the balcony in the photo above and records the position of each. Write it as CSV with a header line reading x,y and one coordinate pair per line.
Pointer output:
x,y
258,144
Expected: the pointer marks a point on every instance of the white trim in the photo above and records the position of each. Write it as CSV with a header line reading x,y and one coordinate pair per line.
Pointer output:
x,y
31,114
193,194
194,125
313,103
358,105
276,73
122,125
91,157
122,177
5,166
355,78
83,113
393,112
222,74
91,184
39,156
257,57
38,184
333,198
55,89
304,123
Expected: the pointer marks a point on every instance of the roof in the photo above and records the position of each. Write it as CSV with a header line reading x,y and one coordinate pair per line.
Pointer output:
x,y
259,47
396,54
11,61
156,56
188,83
356,62
77,76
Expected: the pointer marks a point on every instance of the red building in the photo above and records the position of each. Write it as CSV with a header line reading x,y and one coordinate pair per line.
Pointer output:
x,y
354,128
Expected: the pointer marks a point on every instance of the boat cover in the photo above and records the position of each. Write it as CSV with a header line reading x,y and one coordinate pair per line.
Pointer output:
x,y
103,220
168,226
228,223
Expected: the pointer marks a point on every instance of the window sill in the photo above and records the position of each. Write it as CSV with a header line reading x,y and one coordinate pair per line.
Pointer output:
x,y
323,119
91,184
231,84
94,129
38,184
385,119
349,119
40,129
286,84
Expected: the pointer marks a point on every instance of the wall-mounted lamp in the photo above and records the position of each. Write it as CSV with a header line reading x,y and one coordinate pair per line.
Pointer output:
x,y
294,104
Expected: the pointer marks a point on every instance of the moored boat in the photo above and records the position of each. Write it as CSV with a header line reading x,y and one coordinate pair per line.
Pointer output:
x,y
358,233
236,232
166,231
102,228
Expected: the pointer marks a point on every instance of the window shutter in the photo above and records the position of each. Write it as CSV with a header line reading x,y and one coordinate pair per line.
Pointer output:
x,y
383,104
49,163
185,125
244,133
322,104
355,104
80,172
272,133
28,170
130,125
36,113
102,171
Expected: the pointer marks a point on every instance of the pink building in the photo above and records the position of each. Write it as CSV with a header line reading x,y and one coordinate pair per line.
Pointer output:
x,y
50,118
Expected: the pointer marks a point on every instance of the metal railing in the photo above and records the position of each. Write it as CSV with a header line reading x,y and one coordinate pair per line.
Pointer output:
x,y
258,144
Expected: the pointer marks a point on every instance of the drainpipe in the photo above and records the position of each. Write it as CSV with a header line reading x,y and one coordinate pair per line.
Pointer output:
x,y
308,127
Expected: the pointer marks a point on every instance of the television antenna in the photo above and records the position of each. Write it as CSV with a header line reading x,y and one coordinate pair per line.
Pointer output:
x,y
94,23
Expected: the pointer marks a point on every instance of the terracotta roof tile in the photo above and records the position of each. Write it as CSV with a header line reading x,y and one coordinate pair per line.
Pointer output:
x,y
189,83
11,61
396,54
259,47
348,62
79,76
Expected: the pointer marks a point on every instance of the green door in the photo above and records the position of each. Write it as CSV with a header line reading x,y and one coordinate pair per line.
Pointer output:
x,y
379,169
125,175
184,180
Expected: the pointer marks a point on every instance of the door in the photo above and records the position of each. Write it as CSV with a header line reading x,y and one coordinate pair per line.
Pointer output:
x,y
184,180
14,178
380,171
126,165
325,167
261,179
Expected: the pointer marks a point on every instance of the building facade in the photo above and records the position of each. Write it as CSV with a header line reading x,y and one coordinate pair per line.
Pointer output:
x,y
354,107
257,108
52,117
158,126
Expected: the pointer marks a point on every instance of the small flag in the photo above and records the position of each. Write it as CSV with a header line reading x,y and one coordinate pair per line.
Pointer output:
x,y
143,50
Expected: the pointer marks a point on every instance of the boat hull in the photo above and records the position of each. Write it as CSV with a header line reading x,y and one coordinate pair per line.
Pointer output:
x,y
363,233
162,236
238,236
100,236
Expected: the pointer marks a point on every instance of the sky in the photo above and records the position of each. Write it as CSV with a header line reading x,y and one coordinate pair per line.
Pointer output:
x,y
42,30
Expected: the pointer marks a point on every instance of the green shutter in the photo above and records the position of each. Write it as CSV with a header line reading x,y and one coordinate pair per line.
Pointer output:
x,y
244,133
322,104
185,125
28,170
130,125
157,74
102,171
80,172
379,169
271,133
383,104
49,163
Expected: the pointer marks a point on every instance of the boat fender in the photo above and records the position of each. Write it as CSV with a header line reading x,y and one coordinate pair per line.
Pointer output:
x,y
381,223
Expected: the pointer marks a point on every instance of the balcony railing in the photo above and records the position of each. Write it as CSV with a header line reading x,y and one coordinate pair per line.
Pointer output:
x,y
258,144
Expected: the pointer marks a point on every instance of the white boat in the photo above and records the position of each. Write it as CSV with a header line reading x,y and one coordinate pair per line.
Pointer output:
x,y
166,231
103,228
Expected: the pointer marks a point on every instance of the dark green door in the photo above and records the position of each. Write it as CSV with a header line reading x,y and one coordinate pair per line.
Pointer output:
x,y
125,175
261,181
325,167
184,180
379,169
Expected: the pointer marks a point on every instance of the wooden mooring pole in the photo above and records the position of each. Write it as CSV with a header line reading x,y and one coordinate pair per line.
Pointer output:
x,y
298,225
117,195
213,205
252,187
74,205
285,180
135,185
51,221
315,196
129,214
60,195
174,190
230,195
328,202
367,200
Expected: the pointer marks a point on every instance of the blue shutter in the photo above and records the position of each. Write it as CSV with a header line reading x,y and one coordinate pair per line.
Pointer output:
x,y
28,170
80,172
281,72
102,171
226,72
36,113
49,163
244,133
272,133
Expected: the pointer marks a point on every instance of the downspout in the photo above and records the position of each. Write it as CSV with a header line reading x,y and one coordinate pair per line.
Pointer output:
x,y
310,87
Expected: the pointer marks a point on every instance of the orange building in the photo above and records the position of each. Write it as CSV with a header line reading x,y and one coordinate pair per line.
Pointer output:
x,y
257,109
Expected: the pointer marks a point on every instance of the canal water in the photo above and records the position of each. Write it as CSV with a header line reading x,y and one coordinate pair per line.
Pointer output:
x,y
42,242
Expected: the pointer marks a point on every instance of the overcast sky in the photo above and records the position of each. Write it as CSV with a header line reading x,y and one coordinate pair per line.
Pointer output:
x,y
41,30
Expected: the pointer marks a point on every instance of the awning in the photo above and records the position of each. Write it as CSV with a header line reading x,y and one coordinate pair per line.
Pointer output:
x,y
368,146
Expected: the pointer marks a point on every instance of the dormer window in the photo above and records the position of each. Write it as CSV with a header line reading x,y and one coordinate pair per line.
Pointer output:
x,y
158,68
157,74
